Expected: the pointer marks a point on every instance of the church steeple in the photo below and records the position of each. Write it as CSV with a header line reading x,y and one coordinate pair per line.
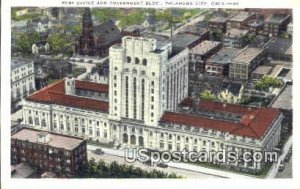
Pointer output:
x,y
87,22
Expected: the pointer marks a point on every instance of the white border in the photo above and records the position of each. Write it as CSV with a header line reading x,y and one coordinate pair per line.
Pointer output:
x,y
8,183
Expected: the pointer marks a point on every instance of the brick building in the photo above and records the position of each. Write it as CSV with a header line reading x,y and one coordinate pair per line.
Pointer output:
x,y
48,151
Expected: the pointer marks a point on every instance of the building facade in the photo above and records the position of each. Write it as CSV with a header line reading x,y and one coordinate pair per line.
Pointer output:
x,y
246,62
276,24
148,83
48,151
22,79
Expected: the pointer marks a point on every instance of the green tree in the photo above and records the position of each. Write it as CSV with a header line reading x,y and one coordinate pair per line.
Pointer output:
x,y
23,43
206,95
56,42
266,82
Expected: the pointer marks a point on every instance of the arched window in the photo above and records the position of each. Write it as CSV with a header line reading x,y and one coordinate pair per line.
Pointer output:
x,y
141,141
137,61
145,62
128,59
132,139
125,138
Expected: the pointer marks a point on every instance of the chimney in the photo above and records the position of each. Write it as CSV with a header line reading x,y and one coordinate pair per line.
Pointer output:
x,y
70,87
43,137
196,103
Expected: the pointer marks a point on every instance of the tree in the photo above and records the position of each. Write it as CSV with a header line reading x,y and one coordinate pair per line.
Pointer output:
x,y
266,82
56,42
23,43
206,95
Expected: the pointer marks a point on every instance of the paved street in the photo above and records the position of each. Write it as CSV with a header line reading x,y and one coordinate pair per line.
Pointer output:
x,y
187,174
288,170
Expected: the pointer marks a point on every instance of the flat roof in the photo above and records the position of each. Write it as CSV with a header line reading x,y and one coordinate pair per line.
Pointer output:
x,y
183,40
218,19
234,33
277,18
247,55
16,62
263,70
241,16
204,47
56,140
278,45
284,100
224,56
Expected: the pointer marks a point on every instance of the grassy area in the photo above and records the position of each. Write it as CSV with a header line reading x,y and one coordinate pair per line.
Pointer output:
x,y
24,17
78,71
264,102
262,174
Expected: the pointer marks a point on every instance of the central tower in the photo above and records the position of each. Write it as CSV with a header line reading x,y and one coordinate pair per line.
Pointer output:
x,y
139,87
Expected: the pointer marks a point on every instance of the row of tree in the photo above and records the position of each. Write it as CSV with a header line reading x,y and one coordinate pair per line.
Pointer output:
x,y
101,169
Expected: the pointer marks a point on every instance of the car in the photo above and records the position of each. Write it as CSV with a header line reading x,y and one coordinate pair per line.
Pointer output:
x,y
281,167
287,158
98,151
162,165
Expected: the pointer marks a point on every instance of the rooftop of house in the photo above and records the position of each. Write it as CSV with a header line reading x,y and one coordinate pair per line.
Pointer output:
x,y
193,29
277,18
224,56
247,55
55,94
16,63
254,122
107,32
218,19
242,16
236,33
204,47
232,87
132,28
55,140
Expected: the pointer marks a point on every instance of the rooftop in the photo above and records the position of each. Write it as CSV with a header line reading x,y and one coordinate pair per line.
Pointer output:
x,y
235,33
278,45
55,94
242,16
132,28
22,170
277,18
224,56
254,122
182,41
218,19
247,55
193,29
284,100
262,70
55,140
16,63
204,47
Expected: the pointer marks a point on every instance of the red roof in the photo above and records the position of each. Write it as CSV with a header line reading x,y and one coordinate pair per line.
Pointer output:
x,y
55,94
254,122
91,86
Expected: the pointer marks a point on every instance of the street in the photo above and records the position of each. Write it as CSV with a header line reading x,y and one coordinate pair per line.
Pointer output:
x,y
288,170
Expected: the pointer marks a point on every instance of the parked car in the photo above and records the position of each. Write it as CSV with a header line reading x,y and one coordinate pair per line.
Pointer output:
x,y
287,158
281,167
98,151
162,165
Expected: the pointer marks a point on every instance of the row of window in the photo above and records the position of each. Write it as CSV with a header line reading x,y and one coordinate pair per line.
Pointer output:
x,y
136,60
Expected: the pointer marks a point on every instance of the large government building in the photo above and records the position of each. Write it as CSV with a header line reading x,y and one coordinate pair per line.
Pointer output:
x,y
146,105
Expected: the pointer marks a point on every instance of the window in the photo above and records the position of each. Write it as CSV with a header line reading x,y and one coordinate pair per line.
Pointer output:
x,y
153,73
115,76
137,61
36,121
152,91
116,68
152,83
152,98
30,120
128,59
151,133
43,123
145,62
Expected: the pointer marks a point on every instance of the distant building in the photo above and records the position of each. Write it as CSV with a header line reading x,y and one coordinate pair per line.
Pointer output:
x,y
22,79
200,31
276,24
235,38
290,28
255,25
261,71
218,65
182,41
240,21
95,41
218,23
245,63
42,46
48,151
149,21
279,49
133,30
201,52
